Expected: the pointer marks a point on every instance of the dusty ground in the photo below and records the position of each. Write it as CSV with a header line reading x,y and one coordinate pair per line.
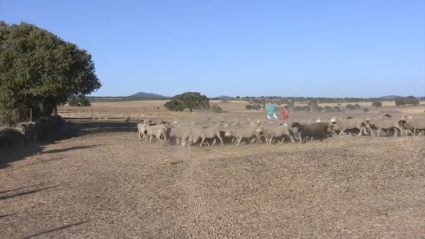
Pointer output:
x,y
107,184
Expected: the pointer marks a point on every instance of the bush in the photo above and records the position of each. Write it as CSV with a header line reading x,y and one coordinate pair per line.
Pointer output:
x,y
79,101
216,109
256,107
377,104
248,107
357,106
336,109
411,100
365,110
328,109
350,107
400,101
319,108
188,100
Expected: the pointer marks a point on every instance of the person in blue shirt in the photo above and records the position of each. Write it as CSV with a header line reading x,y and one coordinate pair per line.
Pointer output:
x,y
271,109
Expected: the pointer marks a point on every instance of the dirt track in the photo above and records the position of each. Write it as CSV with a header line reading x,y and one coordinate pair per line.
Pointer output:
x,y
109,185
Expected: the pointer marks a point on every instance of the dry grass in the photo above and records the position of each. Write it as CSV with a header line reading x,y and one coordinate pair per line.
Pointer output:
x,y
107,184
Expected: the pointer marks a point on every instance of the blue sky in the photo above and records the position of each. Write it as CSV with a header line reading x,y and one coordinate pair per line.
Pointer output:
x,y
330,48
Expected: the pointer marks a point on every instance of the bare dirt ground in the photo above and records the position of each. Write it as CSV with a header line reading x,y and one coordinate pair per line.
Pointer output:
x,y
107,184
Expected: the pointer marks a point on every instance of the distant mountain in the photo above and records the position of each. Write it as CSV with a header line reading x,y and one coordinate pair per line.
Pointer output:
x,y
389,97
146,95
225,97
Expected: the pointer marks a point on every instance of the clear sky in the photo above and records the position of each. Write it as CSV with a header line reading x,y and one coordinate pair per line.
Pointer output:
x,y
330,48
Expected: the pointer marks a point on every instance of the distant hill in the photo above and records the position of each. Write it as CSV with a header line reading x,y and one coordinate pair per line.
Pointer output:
x,y
225,97
389,97
146,95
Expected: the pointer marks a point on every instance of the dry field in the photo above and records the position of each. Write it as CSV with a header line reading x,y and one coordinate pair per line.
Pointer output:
x,y
107,184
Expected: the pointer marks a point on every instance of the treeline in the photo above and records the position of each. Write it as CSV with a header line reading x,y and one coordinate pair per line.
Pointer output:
x,y
121,98
410,100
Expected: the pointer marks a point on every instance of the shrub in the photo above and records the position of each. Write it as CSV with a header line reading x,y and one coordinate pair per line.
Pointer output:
x,y
188,100
248,107
216,109
365,110
350,107
256,107
79,101
377,104
357,106
336,109
400,101
328,109
411,100
319,108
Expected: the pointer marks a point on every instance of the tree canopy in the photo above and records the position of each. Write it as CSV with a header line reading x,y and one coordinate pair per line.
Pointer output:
x,y
38,70
411,100
400,101
377,104
188,100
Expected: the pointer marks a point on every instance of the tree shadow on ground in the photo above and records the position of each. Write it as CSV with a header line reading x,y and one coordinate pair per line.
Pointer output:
x,y
75,129
68,149
26,193
56,229
93,127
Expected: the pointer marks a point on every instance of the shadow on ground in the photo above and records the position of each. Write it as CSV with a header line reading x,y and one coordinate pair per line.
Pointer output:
x,y
56,229
93,127
79,127
25,193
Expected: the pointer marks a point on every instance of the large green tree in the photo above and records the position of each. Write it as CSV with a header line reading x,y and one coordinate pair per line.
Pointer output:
x,y
411,100
39,70
188,100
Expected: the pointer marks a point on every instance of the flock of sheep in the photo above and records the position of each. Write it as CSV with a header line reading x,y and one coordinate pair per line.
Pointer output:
x,y
187,133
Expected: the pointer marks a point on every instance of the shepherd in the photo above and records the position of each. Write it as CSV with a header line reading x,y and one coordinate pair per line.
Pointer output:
x,y
285,113
271,108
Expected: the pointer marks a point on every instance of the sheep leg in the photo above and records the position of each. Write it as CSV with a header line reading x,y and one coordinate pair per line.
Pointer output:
x,y
213,142
414,132
379,132
371,131
239,141
202,141
270,140
219,137
258,139
341,131
292,139
361,130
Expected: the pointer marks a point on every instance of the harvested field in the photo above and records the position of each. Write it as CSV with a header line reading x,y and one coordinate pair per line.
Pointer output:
x,y
107,184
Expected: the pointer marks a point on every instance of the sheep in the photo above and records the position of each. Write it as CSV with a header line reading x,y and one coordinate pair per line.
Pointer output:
x,y
243,131
152,131
160,134
272,131
187,134
385,124
141,127
176,133
206,133
347,124
417,123
316,129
